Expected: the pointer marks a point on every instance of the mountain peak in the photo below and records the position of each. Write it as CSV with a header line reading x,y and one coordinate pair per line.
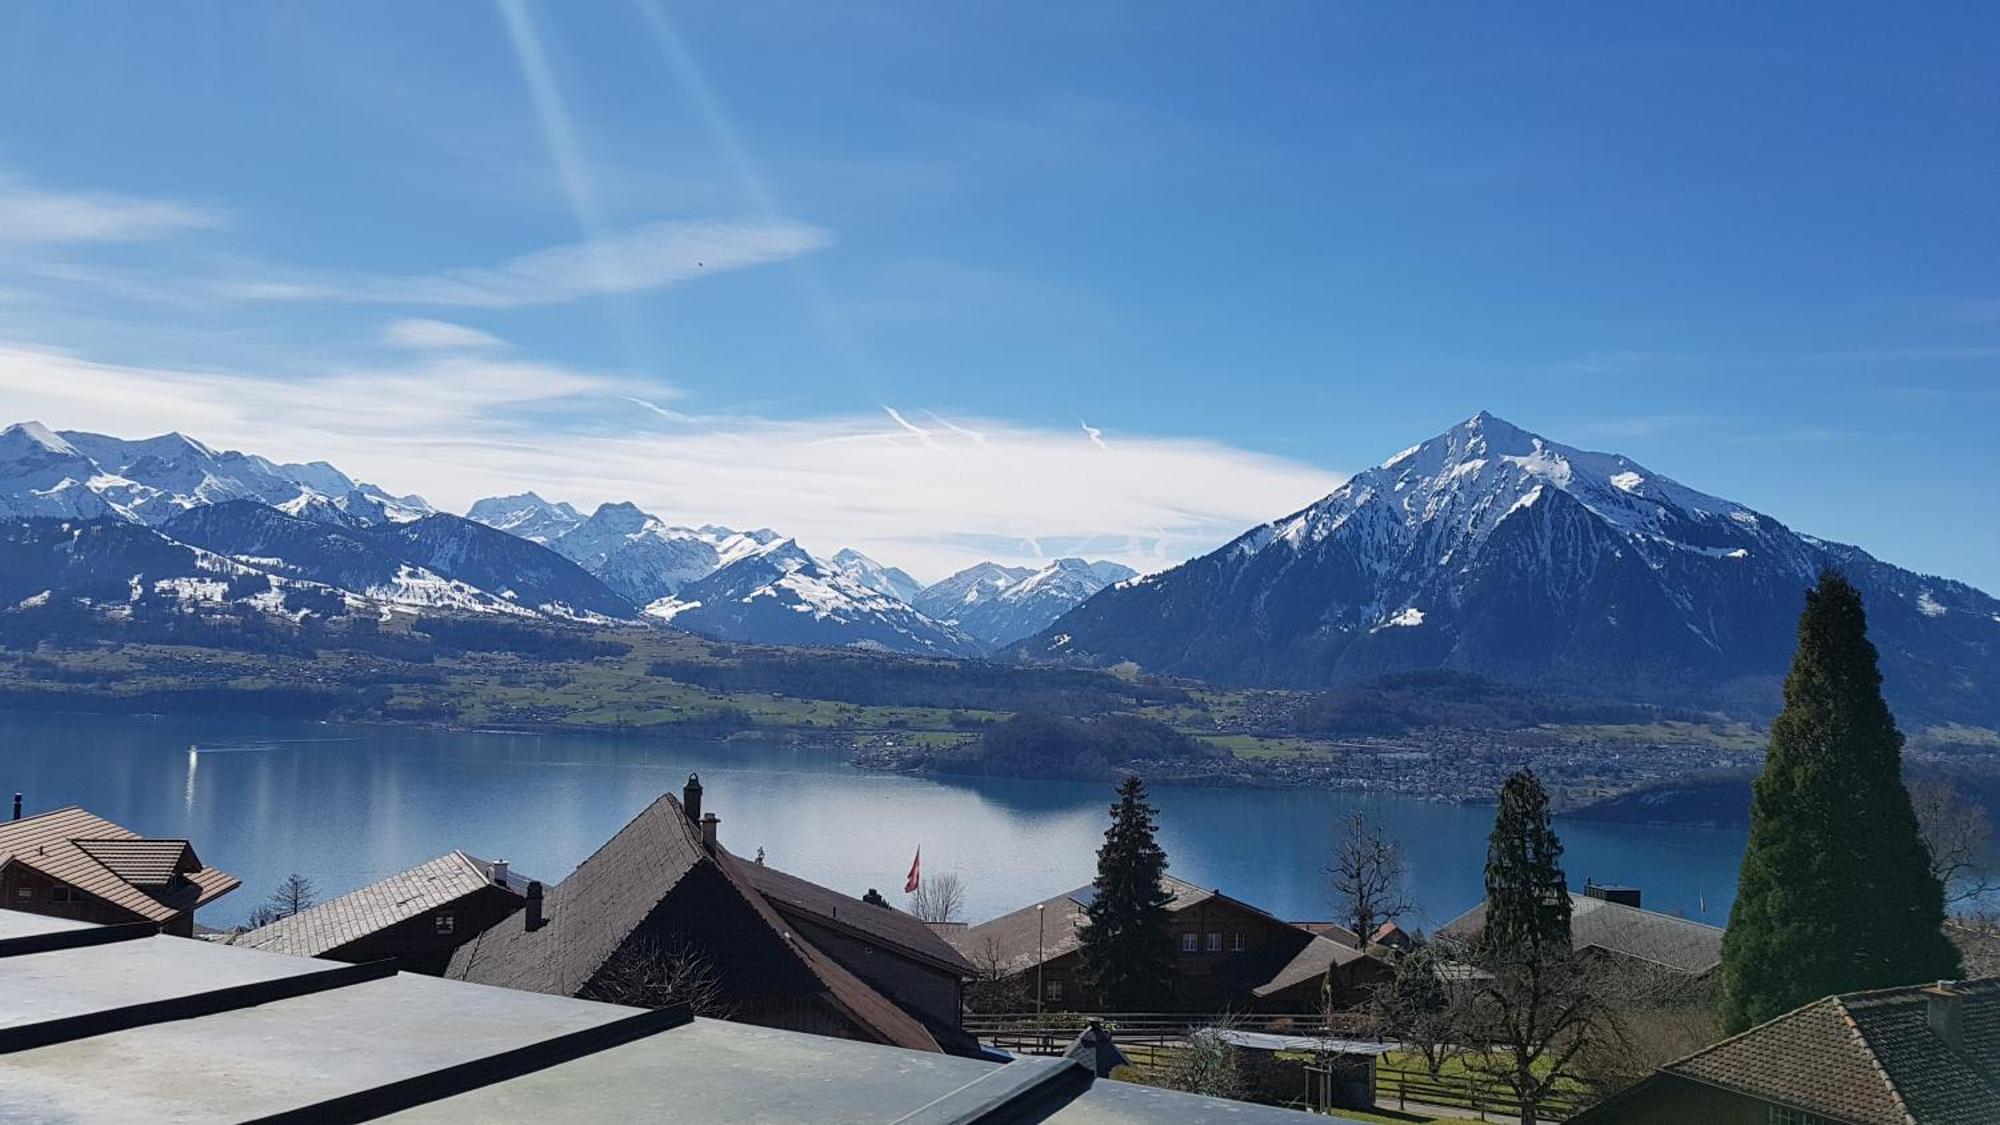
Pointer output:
x,y
33,433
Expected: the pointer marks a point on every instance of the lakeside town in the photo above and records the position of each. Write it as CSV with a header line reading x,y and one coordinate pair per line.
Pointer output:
x,y
1545,1001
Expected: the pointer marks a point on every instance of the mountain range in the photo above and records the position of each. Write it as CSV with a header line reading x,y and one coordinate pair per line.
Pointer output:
x,y
1494,550
185,522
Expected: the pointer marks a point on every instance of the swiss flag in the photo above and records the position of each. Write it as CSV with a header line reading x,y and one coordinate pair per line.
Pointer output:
x,y
916,872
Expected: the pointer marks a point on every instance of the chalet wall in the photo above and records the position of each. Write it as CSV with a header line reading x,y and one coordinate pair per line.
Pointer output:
x,y
913,985
25,889
416,943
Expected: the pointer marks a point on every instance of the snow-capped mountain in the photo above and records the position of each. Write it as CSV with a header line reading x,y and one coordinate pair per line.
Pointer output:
x,y
1493,550
526,515
75,474
125,569
891,580
526,574
948,600
779,594
998,605
347,558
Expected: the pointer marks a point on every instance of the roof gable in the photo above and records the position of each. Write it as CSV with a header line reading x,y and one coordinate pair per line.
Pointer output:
x,y
883,926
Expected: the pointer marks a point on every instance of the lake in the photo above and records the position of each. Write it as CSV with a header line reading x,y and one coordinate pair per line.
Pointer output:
x,y
346,805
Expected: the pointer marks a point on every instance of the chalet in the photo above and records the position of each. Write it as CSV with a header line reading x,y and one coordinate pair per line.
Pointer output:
x,y
1608,922
69,863
418,917
1226,950
1325,974
1919,1055
665,883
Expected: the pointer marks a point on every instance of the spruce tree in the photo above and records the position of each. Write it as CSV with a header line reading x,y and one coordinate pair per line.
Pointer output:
x,y
1127,953
1527,897
1836,892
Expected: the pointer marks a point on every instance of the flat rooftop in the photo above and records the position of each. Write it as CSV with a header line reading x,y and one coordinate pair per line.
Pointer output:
x,y
120,1025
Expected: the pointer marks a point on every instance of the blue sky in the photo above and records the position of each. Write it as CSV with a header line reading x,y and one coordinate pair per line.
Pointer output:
x,y
698,255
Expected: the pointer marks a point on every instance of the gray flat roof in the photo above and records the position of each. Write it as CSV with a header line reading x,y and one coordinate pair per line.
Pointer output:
x,y
161,1029
19,923
74,982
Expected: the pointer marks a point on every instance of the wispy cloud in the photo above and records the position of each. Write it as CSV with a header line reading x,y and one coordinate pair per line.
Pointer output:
x,y
35,215
628,261
438,335
459,425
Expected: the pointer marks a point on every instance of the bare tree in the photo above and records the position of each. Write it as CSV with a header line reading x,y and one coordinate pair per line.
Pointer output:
x,y
994,986
939,898
646,974
296,893
1539,1010
1959,835
1207,1064
1370,878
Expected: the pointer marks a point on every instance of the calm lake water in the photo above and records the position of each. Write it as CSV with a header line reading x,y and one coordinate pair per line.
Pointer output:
x,y
346,805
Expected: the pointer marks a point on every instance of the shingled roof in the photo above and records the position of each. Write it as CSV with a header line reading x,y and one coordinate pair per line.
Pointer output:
x,y
1629,931
113,863
878,925
1311,963
336,922
1012,940
1869,1058
657,870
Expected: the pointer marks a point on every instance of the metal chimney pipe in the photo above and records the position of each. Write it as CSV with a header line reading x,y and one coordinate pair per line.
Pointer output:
x,y
17,806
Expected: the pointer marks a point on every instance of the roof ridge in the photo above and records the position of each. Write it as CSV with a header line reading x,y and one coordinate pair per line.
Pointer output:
x,y
1874,1058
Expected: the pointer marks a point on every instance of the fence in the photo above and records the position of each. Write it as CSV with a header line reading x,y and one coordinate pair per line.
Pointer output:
x,y
1148,1039
1396,1085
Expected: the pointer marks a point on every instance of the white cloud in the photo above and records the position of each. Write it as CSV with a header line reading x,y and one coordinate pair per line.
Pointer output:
x,y
458,426
439,335
629,261
31,215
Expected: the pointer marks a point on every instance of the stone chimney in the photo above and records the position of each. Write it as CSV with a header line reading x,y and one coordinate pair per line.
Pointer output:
x,y
500,872
709,823
1944,1013
691,797
535,919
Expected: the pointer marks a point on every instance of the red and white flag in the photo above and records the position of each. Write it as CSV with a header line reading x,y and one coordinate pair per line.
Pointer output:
x,y
916,872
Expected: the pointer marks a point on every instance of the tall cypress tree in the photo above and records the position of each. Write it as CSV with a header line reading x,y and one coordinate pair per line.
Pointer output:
x,y
1527,897
1128,955
1836,893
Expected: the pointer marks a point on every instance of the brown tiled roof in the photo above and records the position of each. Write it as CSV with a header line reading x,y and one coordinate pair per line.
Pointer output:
x,y
1867,1057
150,864
1311,963
322,929
879,925
1012,940
1334,930
1678,943
53,843
656,857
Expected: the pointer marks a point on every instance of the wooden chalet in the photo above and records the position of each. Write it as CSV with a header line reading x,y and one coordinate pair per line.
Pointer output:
x,y
418,917
665,884
69,863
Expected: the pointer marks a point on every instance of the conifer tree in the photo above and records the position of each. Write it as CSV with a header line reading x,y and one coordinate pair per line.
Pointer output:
x,y
1527,897
1836,892
1127,950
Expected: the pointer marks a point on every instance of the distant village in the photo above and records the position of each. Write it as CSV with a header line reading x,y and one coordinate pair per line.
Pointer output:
x,y
668,976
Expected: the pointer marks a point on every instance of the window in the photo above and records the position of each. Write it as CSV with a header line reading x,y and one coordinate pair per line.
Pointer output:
x,y
1215,943
445,921
1188,943
60,893
1055,990
1781,1116
24,892
1236,943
